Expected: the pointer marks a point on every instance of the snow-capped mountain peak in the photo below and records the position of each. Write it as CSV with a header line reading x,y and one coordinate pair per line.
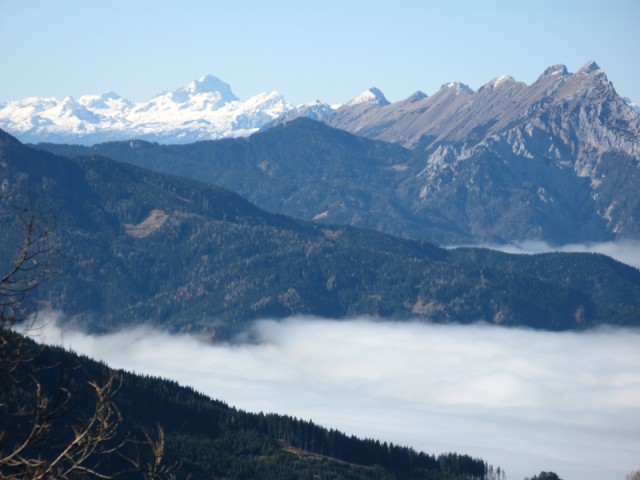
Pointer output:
x,y
210,84
558,70
373,96
107,100
103,97
498,82
208,89
204,109
457,87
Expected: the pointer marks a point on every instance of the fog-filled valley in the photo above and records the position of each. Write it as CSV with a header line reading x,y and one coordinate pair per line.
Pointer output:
x,y
523,399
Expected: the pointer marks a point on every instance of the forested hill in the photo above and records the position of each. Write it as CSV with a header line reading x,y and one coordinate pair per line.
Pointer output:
x,y
213,440
139,246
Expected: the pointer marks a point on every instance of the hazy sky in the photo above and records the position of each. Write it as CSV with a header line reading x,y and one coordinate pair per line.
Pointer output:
x,y
330,49
525,400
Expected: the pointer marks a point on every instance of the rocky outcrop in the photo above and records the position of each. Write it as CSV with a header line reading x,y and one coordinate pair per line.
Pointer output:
x,y
557,160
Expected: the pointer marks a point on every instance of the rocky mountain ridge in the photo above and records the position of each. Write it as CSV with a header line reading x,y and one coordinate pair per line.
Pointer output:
x,y
456,113
520,149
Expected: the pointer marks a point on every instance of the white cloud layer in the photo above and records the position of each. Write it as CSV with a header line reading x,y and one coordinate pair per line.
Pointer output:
x,y
525,400
625,251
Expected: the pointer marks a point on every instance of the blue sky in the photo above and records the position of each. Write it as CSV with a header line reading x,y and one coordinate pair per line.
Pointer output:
x,y
330,50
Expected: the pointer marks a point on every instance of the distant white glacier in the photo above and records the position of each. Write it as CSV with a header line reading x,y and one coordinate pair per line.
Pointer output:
x,y
205,109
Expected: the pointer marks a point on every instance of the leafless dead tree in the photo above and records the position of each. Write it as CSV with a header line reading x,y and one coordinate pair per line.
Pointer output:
x,y
39,436
634,475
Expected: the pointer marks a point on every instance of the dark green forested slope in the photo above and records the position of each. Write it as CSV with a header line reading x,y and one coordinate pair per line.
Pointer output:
x,y
611,284
138,246
213,440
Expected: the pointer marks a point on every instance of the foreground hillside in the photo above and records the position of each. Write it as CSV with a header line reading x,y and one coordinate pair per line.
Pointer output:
x,y
137,246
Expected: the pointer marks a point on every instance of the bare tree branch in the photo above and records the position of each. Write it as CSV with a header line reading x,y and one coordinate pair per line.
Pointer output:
x,y
39,438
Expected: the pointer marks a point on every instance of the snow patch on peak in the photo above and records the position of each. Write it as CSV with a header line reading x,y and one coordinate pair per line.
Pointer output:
x,y
457,87
266,100
107,100
210,84
110,95
71,112
496,82
500,82
373,96
208,88
315,109
202,110
556,70
313,103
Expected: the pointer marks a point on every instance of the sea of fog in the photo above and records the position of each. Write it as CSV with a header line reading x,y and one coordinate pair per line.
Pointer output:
x,y
525,400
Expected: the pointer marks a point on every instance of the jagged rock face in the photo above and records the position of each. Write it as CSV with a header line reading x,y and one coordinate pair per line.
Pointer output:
x,y
558,160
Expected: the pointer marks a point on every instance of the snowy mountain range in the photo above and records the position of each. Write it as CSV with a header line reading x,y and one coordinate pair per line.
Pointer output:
x,y
205,109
